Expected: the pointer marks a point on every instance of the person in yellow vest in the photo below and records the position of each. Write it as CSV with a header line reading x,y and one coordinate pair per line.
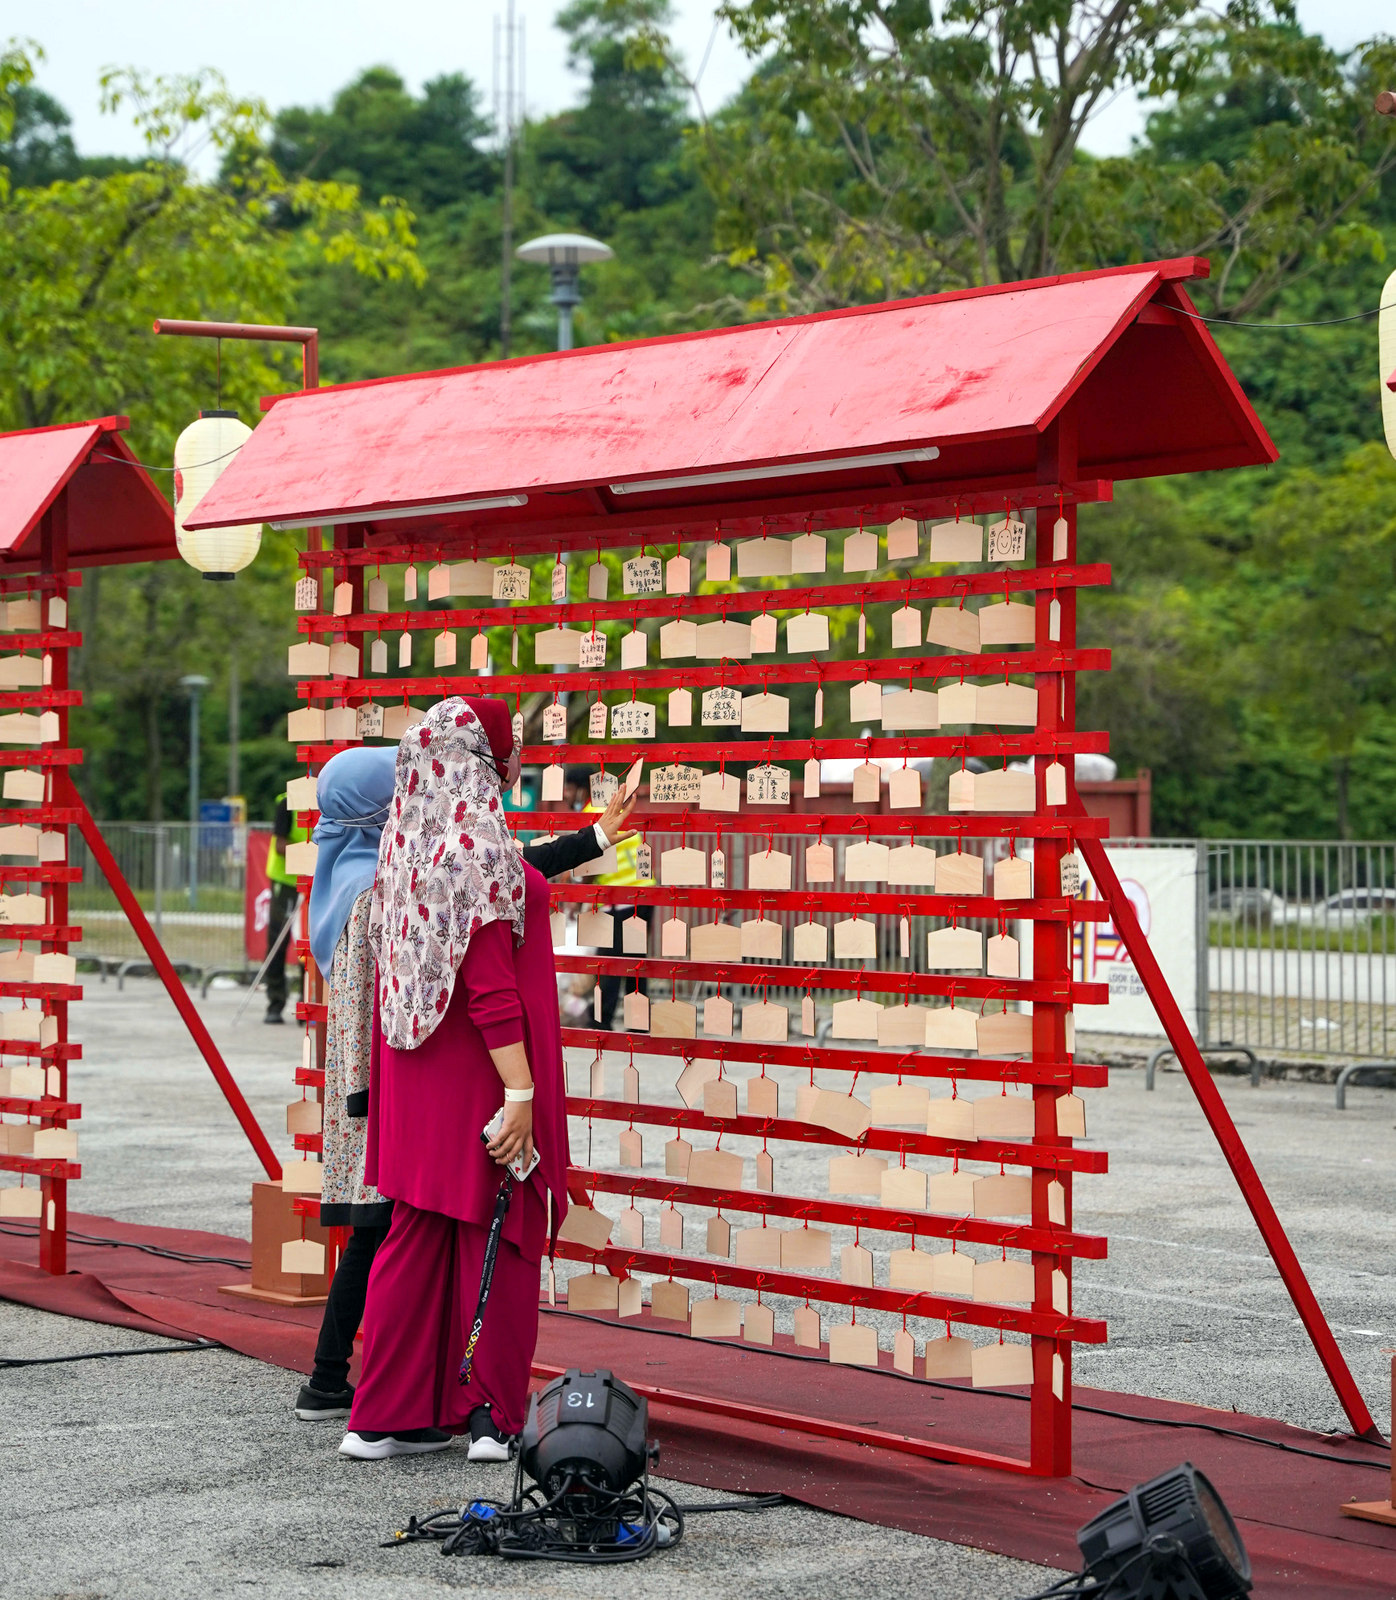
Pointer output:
x,y
625,871
285,830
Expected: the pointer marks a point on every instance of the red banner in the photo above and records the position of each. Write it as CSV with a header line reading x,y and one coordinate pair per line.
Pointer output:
x,y
257,898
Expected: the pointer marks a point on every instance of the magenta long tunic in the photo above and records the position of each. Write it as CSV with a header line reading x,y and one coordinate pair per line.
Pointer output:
x,y
427,1106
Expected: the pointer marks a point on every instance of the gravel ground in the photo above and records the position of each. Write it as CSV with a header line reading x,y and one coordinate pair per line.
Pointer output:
x,y
215,1487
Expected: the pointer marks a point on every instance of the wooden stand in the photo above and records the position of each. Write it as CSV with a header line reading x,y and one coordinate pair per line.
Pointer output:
x,y
274,1219
1379,1510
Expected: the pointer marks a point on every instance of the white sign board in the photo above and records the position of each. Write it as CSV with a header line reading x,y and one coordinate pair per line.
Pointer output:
x,y
1162,885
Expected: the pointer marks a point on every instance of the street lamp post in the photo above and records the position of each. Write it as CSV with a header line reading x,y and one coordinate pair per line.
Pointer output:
x,y
564,254
195,684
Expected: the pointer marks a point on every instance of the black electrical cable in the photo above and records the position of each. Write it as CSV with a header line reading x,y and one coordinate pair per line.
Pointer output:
x,y
108,1355
1324,322
1007,1394
184,1257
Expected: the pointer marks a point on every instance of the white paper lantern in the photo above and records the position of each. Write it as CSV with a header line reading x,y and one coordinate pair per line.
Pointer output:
x,y
1386,352
201,453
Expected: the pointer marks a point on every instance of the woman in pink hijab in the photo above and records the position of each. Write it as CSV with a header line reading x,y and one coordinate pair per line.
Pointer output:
x,y
467,999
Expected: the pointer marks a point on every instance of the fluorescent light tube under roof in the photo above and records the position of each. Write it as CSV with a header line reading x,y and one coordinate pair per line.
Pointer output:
x,y
801,469
441,508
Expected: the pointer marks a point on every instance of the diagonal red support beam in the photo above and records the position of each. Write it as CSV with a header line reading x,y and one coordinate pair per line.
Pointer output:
x,y
1233,1148
172,981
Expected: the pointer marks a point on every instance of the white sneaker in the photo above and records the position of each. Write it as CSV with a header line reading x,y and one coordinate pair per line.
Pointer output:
x,y
488,1449
369,1446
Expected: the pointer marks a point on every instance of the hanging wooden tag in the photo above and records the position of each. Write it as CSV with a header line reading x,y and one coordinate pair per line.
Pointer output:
x,y
856,1019
856,1263
633,651
953,1194
552,779
1003,1195
642,575
948,1358
630,1226
718,870
677,575
860,552
810,787
957,541
19,840
902,1027
1054,620
343,601
555,727
1007,704
763,635
307,595
807,1335
677,1154
857,1174
763,558
1059,539
900,1105
397,720
806,630
341,723
593,1291
958,704
1055,784
1008,540
636,1011
1013,879
904,789
819,707
510,582
696,1075
719,1236
673,939
758,1324
683,866
1071,1116
676,785
715,1169
855,939
630,1085
680,710
910,1269
904,1189
867,783
768,786
303,1256
908,710
438,581
906,628
807,1026
720,791
865,702
1004,790
806,1249
1069,870
911,865
722,707
409,583
809,943
765,1022
305,660
673,1019
669,1301
598,580
633,719
596,726
715,1318
556,647
1000,1366
903,539
953,627
904,937
1007,622
717,1016
557,584
595,929
591,651
955,950
716,942
378,656
719,563
634,936
21,784
472,578
1005,1033
769,869
1001,954
819,863
809,553
950,1118
951,1028
758,1247
762,1098
960,874
724,640
867,861
368,721
719,1100
765,713
1056,1204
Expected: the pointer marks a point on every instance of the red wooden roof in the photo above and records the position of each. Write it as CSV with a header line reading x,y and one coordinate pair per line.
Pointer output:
x,y
114,512
979,374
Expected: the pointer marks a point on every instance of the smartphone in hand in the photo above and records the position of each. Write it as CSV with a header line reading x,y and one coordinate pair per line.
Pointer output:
x,y
516,1166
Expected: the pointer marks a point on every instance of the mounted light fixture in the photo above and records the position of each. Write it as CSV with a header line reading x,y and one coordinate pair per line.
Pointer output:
x,y
800,469
440,509
201,453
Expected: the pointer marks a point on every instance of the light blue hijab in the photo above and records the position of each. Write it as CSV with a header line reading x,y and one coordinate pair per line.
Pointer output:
x,y
354,793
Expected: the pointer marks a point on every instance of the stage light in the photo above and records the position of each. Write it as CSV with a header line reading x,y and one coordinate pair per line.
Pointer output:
x,y
585,1428
1170,1537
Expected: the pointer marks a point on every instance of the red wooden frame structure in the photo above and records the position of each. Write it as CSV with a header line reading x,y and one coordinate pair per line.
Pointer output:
x,y
71,496
1030,396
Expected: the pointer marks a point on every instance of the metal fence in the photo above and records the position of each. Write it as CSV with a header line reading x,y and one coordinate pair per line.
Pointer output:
x,y
1300,945
193,897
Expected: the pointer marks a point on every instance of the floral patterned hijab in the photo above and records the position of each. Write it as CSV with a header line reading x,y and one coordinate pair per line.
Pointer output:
x,y
447,866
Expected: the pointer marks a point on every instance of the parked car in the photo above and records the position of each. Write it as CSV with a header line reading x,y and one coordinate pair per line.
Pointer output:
x,y
1247,904
1361,902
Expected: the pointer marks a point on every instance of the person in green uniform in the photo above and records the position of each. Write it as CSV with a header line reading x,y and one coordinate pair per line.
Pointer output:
x,y
285,830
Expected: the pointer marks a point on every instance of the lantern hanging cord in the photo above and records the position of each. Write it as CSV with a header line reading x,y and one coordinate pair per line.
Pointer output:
x,y
147,466
1324,322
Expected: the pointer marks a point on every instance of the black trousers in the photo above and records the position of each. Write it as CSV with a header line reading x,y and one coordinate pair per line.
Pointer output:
x,y
281,905
344,1310
611,986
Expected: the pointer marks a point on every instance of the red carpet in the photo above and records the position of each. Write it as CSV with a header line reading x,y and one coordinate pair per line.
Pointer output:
x,y
1283,1484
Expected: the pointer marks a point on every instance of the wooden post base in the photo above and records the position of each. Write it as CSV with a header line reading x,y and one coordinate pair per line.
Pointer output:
x,y
1371,1511
274,1221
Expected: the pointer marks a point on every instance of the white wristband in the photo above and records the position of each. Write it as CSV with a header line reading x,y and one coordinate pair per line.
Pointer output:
x,y
518,1096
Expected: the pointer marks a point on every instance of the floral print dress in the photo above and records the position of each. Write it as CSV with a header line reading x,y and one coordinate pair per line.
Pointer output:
x,y
346,1200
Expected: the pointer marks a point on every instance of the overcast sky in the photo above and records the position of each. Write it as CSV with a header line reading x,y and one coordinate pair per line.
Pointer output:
x,y
290,52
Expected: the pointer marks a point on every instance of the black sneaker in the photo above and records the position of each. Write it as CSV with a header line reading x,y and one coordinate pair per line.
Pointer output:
x,y
487,1443
274,1016
320,1405
369,1446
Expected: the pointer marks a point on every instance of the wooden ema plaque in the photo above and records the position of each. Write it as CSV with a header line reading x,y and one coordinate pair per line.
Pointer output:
x,y
775,915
